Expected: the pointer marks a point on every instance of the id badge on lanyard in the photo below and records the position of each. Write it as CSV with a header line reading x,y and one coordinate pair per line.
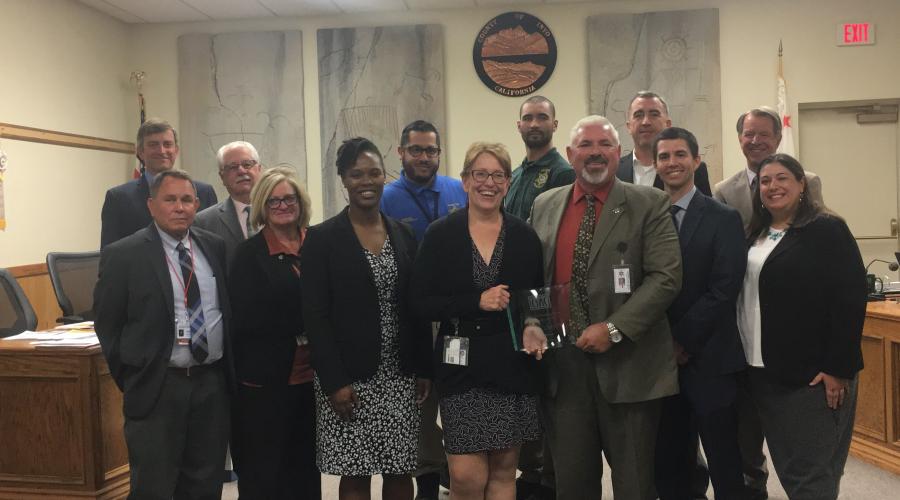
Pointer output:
x,y
456,348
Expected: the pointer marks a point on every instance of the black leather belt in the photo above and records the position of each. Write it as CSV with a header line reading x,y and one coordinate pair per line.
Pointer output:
x,y
196,370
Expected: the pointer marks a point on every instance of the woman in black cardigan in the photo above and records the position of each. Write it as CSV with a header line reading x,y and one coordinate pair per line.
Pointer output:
x,y
273,430
467,266
370,353
800,316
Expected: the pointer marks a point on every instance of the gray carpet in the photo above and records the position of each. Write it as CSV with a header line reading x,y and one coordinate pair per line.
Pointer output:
x,y
861,482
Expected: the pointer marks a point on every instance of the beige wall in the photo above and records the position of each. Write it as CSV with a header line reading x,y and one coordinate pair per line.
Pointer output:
x,y
64,68
816,70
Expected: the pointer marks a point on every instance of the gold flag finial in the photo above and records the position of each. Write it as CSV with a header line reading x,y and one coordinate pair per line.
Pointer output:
x,y
138,78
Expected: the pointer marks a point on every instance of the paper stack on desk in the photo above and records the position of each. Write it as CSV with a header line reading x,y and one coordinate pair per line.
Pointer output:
x,y
73,335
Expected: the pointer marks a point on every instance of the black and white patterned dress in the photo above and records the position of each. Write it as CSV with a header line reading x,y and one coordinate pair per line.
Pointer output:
x,y
382,438
482,419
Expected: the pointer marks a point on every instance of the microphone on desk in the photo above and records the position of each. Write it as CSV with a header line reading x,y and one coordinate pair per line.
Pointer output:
x,y
893,266
871,279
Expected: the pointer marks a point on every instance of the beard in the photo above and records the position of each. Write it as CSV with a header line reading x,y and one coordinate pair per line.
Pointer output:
x,y
536,140
411,169
595,178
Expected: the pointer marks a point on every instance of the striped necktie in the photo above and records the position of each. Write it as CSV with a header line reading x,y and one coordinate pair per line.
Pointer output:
x,y
199,342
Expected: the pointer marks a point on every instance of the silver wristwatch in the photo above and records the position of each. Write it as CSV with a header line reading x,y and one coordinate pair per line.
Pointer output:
x,y
615,336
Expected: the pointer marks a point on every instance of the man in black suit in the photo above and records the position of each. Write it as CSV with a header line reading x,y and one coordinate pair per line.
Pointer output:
x,y
647,115
706,339
161,314
239,170
125,207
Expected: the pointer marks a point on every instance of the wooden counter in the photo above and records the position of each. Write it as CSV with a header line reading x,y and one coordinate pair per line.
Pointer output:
x,y
876,433
60,425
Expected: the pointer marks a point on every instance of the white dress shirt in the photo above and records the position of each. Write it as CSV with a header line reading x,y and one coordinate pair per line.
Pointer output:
x,y
643,174
181,354
748,314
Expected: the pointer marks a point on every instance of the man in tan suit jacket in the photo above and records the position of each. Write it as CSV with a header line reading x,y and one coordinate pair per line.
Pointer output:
x,y
602,394
759,132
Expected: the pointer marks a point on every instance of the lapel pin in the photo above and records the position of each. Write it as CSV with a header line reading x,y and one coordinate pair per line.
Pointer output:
x,y
617,211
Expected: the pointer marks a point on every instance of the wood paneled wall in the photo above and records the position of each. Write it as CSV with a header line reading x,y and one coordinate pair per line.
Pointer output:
x,y
35,282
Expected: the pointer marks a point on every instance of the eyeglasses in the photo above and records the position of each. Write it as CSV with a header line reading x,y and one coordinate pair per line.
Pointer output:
x,y
500,178
416,151
289,201
246,164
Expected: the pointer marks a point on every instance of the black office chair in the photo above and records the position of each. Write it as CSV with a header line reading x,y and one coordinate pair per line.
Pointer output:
x,y
16,313
73,276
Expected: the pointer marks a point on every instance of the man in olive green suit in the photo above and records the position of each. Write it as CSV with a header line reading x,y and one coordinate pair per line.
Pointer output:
x,y
615,244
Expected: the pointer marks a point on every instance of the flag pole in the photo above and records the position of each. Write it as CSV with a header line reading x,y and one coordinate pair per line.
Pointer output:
x,y
138,78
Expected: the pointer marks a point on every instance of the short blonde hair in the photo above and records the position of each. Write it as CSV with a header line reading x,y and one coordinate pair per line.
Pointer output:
x,y
494,149
263,189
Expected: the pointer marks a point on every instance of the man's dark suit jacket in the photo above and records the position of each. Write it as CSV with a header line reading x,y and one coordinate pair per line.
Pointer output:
x,y
703,316
134,308
812,297
125,208
340,304
626,173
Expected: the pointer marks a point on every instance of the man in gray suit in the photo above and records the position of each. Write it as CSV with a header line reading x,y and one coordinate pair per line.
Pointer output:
x,y
759,132
239,170
615,245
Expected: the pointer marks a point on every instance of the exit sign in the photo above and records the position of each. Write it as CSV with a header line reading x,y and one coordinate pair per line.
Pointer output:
x,y
856,34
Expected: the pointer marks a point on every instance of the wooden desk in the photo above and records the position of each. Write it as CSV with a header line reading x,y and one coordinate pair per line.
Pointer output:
x,y
876,433
60,425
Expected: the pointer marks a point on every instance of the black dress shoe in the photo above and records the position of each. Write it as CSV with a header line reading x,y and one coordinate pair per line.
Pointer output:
x,y
527,490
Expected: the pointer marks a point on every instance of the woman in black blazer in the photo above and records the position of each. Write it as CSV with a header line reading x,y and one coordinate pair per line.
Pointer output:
x,y
801,315
469,263
369,352
273,429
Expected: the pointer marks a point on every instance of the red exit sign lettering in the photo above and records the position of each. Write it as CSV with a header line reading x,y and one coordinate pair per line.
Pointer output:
x,y
856,34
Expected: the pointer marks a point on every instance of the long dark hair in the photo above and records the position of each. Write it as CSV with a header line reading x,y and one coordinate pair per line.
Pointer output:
x,y
808,209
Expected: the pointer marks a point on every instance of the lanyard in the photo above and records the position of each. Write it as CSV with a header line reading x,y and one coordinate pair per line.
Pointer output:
x,y
177,272
429,217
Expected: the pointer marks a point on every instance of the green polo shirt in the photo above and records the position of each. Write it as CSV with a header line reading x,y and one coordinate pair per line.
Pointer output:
x,y
533,178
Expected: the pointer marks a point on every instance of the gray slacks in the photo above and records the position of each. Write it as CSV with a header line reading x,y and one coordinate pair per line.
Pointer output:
x,y
178,450
808,441
581,426
750,441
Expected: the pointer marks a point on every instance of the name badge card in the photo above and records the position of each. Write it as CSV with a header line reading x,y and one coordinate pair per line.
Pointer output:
x,y
182,332
456,350
622,279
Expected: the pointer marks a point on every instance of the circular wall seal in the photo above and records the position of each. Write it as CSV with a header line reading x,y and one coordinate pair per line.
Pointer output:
x,y
514,54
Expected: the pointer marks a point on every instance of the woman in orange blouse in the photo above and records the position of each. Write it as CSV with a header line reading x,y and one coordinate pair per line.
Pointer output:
x,y
273,427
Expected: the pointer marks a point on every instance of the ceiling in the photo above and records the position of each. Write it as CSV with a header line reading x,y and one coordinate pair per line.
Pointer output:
x,y
170,11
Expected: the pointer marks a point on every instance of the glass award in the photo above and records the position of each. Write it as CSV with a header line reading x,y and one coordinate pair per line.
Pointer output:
x,y
546,307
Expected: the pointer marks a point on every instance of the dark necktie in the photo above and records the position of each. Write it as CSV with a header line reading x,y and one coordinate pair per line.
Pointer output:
x,y
578,293
753,185
199,342
247,224
674,209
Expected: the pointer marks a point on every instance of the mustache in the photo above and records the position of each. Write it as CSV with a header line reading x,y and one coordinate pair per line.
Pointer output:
x,y
596,159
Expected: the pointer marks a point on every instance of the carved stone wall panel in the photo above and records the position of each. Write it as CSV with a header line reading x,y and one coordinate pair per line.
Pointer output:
x,y
241,86
372,82
676,55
